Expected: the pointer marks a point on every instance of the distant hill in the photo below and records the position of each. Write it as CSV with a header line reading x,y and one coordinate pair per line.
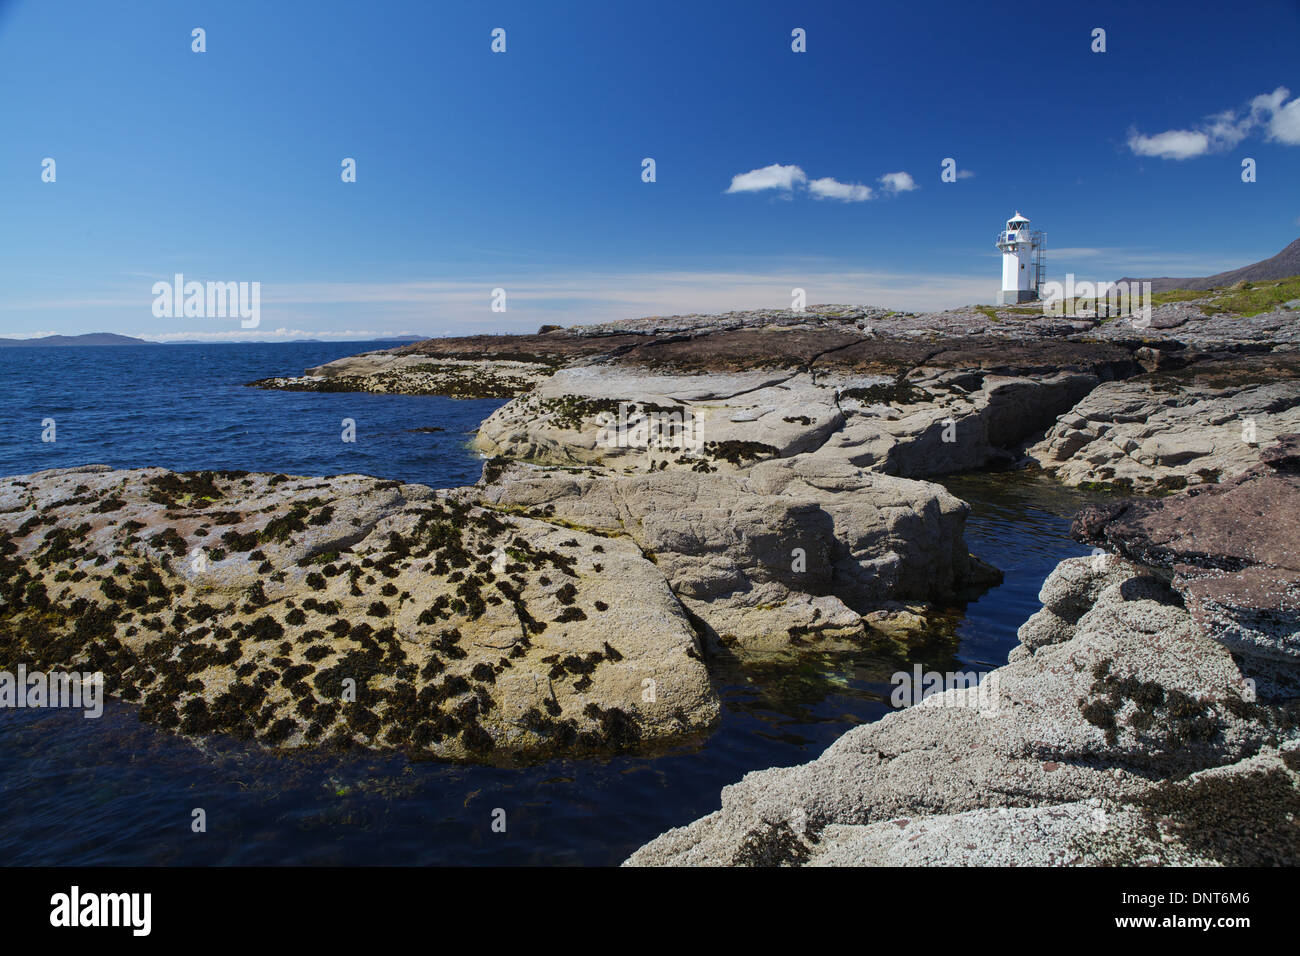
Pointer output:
x,y
90,338
1283,265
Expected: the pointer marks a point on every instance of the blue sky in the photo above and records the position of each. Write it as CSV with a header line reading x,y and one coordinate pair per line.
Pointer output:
x,y
522,170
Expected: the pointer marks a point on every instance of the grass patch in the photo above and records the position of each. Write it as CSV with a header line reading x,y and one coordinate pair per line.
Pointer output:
x,y
1252,298
1175,295
1244,298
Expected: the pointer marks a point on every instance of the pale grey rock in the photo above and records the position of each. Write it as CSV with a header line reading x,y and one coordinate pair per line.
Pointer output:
x,y
1066,834
1242,814
1135,694
772,554
624,418
1151,434
1044,627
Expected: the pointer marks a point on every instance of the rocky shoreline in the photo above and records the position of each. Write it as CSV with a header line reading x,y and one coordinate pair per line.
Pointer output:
x,y
1121,732
662,491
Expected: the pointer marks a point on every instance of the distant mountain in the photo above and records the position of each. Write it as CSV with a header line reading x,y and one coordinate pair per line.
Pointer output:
x,y
90,338
1282,266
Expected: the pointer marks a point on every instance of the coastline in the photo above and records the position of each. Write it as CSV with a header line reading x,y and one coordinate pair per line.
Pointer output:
x,y
713,533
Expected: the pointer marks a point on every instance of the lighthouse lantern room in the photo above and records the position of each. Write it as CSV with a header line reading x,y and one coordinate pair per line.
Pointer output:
x,y
1024,261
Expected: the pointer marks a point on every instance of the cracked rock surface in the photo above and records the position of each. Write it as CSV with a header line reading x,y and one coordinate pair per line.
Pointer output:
x,y
1168,430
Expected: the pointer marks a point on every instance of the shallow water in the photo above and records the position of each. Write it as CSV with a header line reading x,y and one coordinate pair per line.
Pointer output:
x,y
115,791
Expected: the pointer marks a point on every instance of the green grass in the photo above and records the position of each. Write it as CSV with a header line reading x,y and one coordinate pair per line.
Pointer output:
x,y
996,313
1176,295
1244,298
1252,298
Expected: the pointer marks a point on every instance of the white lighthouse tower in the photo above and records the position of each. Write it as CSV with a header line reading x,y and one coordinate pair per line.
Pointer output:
x,y
1024,256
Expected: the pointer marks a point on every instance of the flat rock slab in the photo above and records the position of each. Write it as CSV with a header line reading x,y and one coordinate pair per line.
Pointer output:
x,y
1167,430
414,374
912,422
345,610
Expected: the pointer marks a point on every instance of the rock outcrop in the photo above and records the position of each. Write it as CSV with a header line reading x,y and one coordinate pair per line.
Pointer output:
x,y
914,422
780,554
769,465
1240,815
1174,326
1232,552
765,467
1070,746
407,374
345,610
1167,430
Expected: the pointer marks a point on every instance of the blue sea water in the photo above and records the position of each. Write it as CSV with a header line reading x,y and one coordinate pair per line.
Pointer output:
x,y
116,791
187,407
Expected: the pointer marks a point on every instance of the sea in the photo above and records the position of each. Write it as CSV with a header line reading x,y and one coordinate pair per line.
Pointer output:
x,y
115,791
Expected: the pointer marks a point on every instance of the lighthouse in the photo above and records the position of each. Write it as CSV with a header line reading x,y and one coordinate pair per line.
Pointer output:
x,y
1024,262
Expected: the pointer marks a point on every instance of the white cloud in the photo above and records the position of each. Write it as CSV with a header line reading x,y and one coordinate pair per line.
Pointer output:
x,y
1226,130
827,188
1284,126
898,182
792,179
1223,131
965,174
1174,144
1268,103
775,176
